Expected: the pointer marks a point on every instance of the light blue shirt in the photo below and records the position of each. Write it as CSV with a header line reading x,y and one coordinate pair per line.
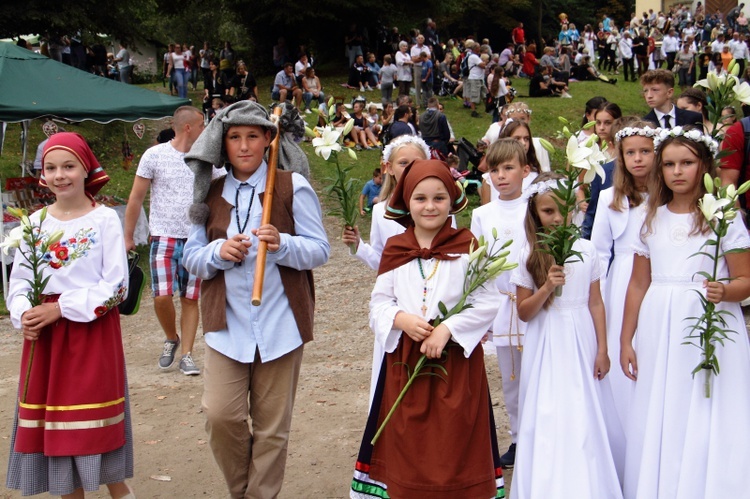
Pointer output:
x,y
269,328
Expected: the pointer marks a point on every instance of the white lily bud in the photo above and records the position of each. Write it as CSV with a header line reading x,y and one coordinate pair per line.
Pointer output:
x,y
709,183
547,146
348,127
351,152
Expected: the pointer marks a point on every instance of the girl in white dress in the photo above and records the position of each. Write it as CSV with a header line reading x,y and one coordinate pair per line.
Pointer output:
x,y
617,226
562,440
72,431
397,155
680,443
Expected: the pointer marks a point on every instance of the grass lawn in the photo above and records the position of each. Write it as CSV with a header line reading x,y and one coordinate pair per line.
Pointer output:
x,y
107,141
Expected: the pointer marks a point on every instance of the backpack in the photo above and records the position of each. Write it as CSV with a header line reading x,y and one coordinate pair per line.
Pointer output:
x,y
464,68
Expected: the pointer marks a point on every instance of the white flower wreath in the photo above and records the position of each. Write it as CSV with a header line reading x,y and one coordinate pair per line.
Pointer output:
x,y
539,188
630,131
405,139
693,135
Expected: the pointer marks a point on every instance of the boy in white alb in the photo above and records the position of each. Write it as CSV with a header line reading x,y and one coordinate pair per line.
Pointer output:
x,y
506,160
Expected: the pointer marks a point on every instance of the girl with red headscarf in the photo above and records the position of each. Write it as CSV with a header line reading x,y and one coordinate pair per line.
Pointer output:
x,y
440,442
72,430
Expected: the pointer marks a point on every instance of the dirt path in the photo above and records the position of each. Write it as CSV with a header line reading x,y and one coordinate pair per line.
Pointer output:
x,y
329,414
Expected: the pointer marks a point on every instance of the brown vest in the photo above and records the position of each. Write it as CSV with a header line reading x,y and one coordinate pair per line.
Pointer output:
x,y
298,284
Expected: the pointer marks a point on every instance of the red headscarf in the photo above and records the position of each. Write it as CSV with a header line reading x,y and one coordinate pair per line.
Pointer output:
x,y
77,146
448,243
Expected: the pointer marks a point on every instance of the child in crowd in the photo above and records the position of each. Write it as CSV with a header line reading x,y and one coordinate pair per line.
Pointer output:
x,y
396,157
374,71
253,353
428,74
617,227
72,430
370,192
217,104
681,443
562,437
521,132
387,77
589,115
658,89
442,424
505,216
374,119
605,116
362,131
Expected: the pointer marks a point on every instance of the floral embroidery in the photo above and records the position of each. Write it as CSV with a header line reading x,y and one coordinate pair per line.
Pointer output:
x,y
112,301
63,253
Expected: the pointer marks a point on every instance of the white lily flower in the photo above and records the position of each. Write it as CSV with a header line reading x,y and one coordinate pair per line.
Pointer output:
x,y
577,154
328,143
12,240
731,191
711,207
742,92
596,159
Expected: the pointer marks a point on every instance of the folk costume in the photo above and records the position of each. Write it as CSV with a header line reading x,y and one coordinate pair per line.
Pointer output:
x,y
440,442
73,428
253,353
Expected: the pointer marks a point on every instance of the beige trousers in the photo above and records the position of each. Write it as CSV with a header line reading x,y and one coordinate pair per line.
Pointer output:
x,y
252,461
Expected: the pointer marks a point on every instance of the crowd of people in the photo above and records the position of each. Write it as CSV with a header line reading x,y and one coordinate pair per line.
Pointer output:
x,y
597,382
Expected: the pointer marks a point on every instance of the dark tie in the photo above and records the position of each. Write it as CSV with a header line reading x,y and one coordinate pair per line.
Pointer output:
x,y
667,124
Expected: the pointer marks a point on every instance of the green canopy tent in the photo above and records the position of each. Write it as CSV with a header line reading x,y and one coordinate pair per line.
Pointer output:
x,y
34,86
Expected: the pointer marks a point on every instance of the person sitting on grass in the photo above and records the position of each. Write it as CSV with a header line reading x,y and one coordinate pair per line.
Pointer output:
x,y
542,85
370,192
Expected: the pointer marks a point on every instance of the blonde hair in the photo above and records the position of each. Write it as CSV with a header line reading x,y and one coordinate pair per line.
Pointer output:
x,y
538,262
624,183
503,150
392,150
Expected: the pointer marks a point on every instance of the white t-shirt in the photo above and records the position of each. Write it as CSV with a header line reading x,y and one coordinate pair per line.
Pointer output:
x,y
171,190
417,50
299,68
475,72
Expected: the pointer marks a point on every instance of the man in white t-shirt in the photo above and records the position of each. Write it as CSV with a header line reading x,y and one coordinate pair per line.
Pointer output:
x,y
474,89
162,169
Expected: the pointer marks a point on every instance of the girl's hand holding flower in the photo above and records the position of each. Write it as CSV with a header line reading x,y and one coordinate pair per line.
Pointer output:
x,y
434,344
555,277
413,325
35,319
714,291
351,236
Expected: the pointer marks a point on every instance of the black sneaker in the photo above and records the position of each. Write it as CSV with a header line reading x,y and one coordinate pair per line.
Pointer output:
x,y
474,114
168,354
508,459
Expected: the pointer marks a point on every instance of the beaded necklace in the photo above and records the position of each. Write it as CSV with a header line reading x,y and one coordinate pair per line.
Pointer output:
x,y
424,288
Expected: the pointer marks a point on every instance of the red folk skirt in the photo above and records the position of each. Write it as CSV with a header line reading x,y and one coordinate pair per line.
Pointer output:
x,y
440,442
75,403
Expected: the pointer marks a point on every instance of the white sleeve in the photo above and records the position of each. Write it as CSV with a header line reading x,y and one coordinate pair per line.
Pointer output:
x,y
88,303
601,235
383,310
469,327
521,276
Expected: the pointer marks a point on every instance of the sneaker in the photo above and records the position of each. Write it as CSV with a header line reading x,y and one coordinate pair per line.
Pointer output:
x,y
188,367
613,81
566,95
474,114
508,459
307,111
167,355
361,89
358,147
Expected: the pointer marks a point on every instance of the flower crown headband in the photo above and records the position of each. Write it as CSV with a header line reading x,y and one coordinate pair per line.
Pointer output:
x,y
403,140
693,135
517,109
630,131
539,188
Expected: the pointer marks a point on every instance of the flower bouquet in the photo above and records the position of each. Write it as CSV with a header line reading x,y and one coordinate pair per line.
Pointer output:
x,y
343,189
721,91
36,258
485,264
582,163
711,327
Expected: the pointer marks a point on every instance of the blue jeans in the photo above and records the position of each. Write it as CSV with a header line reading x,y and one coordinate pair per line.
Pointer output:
x,y
125,74
181,80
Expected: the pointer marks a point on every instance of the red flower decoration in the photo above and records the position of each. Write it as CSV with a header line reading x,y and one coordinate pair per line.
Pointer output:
x,y
55,265
100,311
72,240
61,253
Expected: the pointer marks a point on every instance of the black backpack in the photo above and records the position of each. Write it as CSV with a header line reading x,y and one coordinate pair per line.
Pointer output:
x,y
465,66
